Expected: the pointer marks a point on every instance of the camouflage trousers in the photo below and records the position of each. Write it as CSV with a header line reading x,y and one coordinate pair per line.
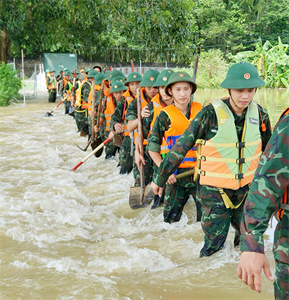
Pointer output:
x,y
80,116
216,218
148,170
52,95
281,282
176,196
67,107
125,159
110,149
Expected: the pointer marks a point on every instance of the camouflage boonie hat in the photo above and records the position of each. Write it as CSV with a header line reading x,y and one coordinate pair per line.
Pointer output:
x,y
117,86
180,77
163,78
149,78
98,78
134,76
242,76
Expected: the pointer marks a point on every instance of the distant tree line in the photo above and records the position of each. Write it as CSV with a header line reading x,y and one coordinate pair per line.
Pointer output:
x,y
147,30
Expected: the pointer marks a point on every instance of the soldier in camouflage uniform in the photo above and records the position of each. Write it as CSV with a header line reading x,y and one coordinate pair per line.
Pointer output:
x,y
268,193
118,119
51,86
222,189
147,93
80,110
176,194
116,91
99,77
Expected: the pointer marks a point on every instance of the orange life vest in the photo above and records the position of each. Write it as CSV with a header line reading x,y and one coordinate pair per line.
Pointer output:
x,y
285,199
89,103
127,100
179,123
158,106
223,161
106,90
79,101
69,96
109,110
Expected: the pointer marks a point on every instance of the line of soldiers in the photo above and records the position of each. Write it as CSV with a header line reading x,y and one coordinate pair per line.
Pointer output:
x,y
222,142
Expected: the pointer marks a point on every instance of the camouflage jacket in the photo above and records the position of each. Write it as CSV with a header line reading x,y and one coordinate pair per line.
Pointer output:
x,y
146,122
118,113
131,113
85,91
204,126
265,194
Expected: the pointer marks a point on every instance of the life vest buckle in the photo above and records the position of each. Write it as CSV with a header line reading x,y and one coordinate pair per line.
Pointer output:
x,y
240,161
203,173
240,145
239,176
203,158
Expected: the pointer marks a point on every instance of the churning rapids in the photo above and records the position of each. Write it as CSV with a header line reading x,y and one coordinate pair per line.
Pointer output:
x,y
72,235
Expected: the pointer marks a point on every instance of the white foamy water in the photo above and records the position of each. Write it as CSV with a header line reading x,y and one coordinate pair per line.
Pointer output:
x,y
72,235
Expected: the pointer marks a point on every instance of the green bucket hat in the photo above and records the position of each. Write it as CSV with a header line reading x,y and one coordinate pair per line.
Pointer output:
x,y
117,86
242,76
149,78
66,73
163,78
98,78
115,73
81,76
92,73
134,76
71,77
119,78
180,77
77,71
52,71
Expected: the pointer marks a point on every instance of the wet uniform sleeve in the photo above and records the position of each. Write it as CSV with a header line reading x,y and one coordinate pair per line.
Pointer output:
x,y
196,130
162,124
146,122
85,91
267,189
266,134
131,113
117,115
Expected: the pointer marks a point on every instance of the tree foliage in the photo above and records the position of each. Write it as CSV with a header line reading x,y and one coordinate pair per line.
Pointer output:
x,y
9,84
150,30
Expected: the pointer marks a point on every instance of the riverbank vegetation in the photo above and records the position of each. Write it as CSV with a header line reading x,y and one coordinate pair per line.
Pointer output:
x,y
9,84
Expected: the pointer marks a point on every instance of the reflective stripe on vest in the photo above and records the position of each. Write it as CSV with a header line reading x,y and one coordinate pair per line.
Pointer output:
x,y
284,205
109,110
179,123
223,161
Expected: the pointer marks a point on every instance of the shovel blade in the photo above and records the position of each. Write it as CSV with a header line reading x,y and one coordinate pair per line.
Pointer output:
x,y
95,144
136,194
48,114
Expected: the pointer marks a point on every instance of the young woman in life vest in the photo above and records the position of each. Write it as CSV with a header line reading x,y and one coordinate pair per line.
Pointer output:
x,y
116,91
150,112
148,91
268,192
118,122
230,135
168,127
